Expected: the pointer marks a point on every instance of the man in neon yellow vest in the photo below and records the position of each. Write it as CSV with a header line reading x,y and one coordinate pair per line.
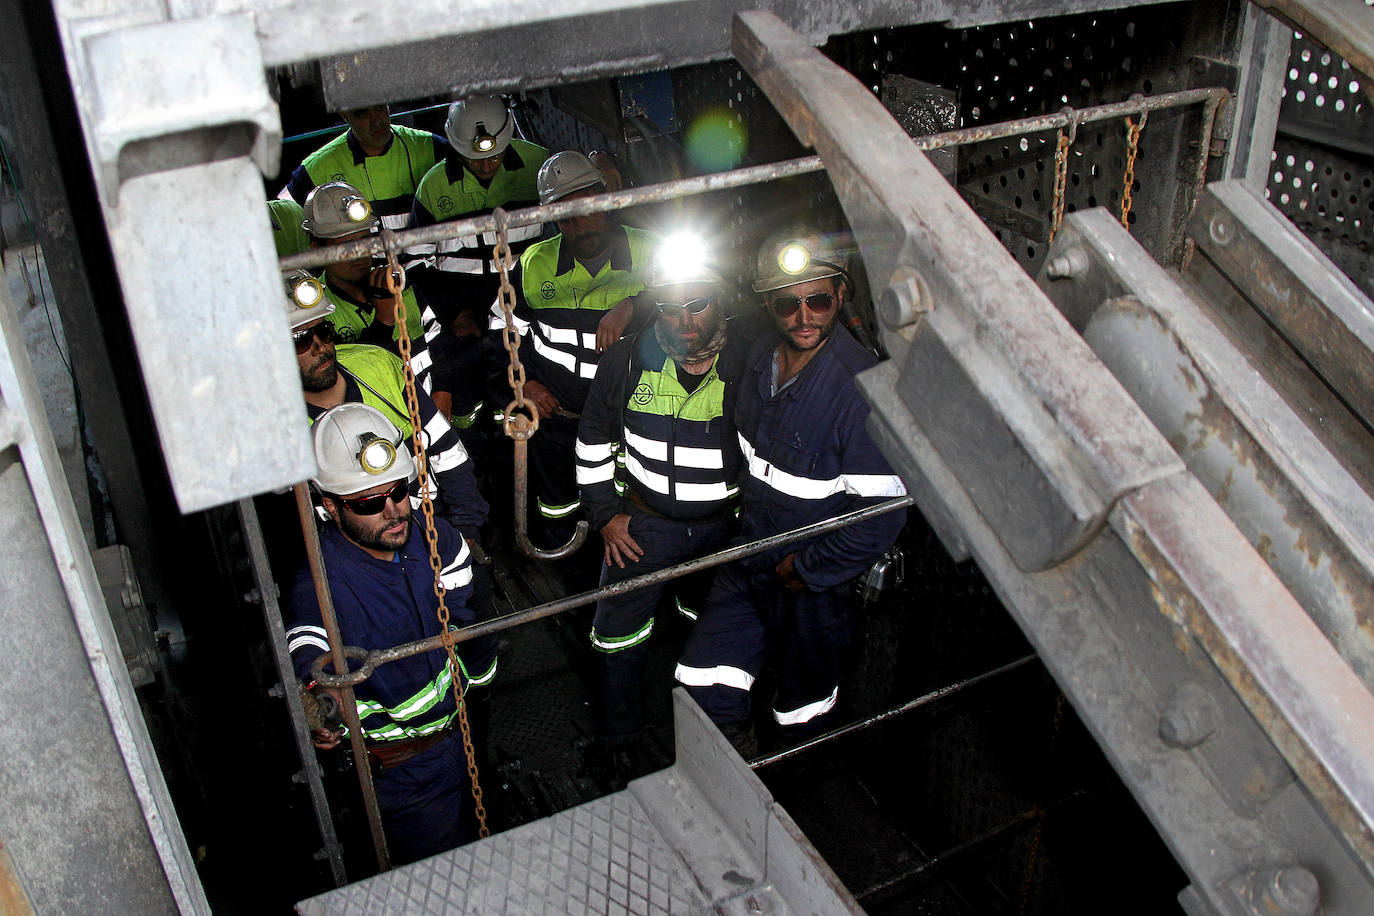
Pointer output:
x,y
384,161
573,298
364,308
663,401
485,167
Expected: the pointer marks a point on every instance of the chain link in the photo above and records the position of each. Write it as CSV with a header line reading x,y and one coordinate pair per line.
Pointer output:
x,y
1133,130
517,426
1061,171
395,285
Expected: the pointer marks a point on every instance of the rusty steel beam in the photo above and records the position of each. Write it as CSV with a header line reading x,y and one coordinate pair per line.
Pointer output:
x,y
1020,443
1320,312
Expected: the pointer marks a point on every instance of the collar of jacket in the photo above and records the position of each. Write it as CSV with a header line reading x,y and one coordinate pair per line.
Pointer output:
x,y
620,253
762,364
357,148
456,172
413,548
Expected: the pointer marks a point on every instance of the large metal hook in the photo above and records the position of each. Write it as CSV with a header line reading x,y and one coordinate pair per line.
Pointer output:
x,y
519,428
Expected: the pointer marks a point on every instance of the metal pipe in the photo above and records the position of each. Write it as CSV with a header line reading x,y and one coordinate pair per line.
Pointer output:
x,y
686,187
348,706
276,631
925,699
406,650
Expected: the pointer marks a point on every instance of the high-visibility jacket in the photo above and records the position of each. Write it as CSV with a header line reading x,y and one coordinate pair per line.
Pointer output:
x,y
287,234
558,305
680,451
383,603
375,377
449,191
388,181
355,321
808,457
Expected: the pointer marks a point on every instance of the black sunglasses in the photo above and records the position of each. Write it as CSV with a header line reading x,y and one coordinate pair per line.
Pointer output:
x,y
374,504
816,303
694,307
304,338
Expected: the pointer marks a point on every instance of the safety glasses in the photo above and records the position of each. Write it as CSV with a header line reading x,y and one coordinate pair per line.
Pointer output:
x,y
304,338
816,304
692,307
372,505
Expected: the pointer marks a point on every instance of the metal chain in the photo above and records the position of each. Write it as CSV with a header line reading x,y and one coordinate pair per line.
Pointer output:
x,y
395,285
1133,130
1061,171
517,426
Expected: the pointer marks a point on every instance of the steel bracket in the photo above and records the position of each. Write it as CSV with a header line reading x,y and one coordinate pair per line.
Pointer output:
x,y
171,94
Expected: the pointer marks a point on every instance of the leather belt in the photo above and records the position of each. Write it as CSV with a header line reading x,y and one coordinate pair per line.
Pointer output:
x,y
395,753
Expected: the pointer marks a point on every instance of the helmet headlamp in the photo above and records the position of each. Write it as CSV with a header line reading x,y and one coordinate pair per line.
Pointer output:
x,y
793,258
307,292
483,141
375,454
357,209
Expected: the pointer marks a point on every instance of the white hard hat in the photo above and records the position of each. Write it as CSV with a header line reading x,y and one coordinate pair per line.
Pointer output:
x,y
565,173
479,126
337,209
305,298
793,256
357,448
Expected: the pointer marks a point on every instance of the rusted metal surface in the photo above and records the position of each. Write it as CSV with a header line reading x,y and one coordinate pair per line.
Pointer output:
x,y
1019,389
348,705
1321,313
1216,589
370,660
686,187
1310,519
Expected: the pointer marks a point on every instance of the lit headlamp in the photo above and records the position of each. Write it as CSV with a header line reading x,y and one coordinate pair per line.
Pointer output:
x,y
307,292
793,258
357,209
484,141
375,454
681,258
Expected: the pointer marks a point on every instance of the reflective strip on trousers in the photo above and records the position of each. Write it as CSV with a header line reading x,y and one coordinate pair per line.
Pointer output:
x,y
719,676
809,711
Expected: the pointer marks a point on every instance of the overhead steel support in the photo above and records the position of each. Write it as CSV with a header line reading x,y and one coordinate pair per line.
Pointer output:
x,y
1160,622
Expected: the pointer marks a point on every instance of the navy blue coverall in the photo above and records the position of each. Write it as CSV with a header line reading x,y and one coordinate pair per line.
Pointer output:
x,y
808,457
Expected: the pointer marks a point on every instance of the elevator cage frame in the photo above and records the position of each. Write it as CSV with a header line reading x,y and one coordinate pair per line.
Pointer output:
x,y
1032,459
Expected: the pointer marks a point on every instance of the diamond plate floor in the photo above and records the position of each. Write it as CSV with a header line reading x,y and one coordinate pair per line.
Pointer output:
x,y
602,857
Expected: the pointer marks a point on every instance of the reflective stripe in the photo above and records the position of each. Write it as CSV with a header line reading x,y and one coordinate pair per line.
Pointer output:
x,y
811,488
498,319
685,456
649,448
559,335
656,482
471,418
453,265
809,711
435,428
485,678
515,233
702,492
588,341
720,675
421,361
553,355
596,453
683,609
458,579
463,243
617,643
395,220
598,474
587,370
302,636
558,511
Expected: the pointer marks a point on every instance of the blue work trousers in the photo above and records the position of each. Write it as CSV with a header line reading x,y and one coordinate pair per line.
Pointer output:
x,y
749,619
426,802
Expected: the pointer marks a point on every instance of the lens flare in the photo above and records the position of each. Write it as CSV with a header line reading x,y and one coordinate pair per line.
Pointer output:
x,y
716,141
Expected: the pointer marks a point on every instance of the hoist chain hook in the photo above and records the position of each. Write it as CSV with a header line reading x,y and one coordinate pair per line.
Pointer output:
x,y
520,426
395,284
